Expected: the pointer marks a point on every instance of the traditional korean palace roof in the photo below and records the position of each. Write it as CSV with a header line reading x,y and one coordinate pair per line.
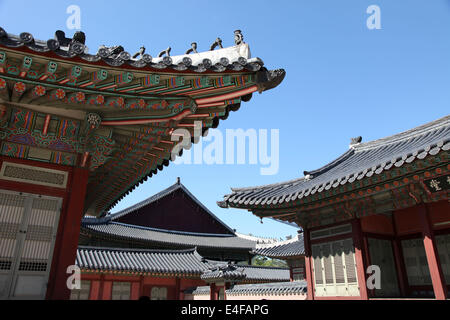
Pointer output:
x,y
115,230
164,262
219,271
406,159
283,249
116,227
275,288
114,112
178,186
140,261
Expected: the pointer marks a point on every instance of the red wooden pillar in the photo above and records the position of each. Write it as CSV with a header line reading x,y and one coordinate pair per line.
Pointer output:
x,y
107,290
141,286
212,291
399,262
367,262
437,276
226,286
308,265
135,290
359,257
67,237
177,288
95,290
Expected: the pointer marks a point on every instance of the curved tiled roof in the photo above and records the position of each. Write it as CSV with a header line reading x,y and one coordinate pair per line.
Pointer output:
x,y
171,261
225,272
167,237
175,187
244,273
135,260
234,58
284,249
361,160
276,288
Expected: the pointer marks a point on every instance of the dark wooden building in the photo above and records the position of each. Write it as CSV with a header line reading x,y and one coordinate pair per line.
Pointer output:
x,y
171,219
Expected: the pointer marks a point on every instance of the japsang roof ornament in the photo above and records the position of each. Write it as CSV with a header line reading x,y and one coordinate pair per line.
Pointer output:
x,y
236,58
224,272
115,112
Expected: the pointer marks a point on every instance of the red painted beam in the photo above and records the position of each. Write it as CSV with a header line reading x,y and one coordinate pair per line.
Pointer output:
x,y
46,124
145,121
227,96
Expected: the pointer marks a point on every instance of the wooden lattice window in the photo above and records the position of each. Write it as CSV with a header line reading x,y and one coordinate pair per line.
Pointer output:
x,y
158,293
121,291
443,246
416,262
335,269
83,292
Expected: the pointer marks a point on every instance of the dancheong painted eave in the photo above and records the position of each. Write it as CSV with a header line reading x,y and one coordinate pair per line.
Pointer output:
x,y
362,161
114,112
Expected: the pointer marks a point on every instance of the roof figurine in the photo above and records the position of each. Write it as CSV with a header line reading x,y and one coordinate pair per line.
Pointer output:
x,y
140,53
192,49
165,52
238,37
217,43
355,141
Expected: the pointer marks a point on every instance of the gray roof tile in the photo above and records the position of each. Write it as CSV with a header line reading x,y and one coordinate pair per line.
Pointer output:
x,y
167,237
136,260
283,249
361,160
276,288
232,272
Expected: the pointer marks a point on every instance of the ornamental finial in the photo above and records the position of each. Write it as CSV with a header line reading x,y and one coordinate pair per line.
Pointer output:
x,y
238,37
355,141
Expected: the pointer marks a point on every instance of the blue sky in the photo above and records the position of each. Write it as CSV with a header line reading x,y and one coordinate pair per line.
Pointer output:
x,y
343,80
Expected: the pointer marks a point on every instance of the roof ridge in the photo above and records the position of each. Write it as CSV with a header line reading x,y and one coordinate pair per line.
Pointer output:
x,y
201,61
187,233
279,243
169,190
268,185
180,251
407,134
441,122
261,267
146,201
